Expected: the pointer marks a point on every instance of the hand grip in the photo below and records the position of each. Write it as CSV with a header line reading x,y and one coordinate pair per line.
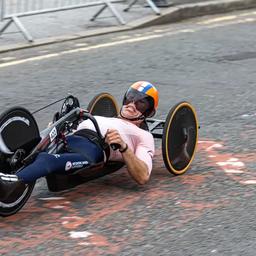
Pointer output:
x,y
115,146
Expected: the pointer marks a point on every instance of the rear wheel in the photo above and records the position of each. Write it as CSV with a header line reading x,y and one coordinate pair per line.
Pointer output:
x,y
180,137
103,104
19,134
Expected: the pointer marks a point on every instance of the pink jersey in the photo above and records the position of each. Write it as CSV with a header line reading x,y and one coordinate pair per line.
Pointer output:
x,y
141,142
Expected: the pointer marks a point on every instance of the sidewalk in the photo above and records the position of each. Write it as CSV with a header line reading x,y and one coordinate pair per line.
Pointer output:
x,y
68,25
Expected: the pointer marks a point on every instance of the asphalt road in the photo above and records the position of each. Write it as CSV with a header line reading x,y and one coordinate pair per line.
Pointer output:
x,y
210,210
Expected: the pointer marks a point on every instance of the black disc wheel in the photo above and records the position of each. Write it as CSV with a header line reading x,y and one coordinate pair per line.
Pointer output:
x,y
16,200
19,135
180,137
103,104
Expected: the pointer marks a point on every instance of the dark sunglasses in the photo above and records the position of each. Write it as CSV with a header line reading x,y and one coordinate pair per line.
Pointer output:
x,y
141,101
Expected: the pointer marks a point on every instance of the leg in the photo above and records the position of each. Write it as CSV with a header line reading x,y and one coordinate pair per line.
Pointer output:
x,y
82,153
46,163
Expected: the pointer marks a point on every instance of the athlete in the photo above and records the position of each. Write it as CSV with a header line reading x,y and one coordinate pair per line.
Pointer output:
x,y
136,146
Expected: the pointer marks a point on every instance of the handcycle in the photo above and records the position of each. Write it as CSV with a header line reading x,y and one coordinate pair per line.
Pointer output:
x,y
21,142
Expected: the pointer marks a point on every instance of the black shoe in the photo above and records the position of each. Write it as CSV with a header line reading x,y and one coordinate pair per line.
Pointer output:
x,y
11,188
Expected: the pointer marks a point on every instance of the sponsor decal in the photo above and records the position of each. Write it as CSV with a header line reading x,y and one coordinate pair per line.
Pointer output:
x,y
68,166
56,155
53,134
75,165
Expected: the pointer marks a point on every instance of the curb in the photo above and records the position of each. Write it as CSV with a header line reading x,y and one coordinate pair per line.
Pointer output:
x,y
170,15
187,11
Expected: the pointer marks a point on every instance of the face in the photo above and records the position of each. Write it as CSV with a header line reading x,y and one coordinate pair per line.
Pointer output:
x,y
139,100
130,111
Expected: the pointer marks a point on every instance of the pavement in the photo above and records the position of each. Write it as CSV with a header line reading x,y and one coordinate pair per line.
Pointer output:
x,y
62,26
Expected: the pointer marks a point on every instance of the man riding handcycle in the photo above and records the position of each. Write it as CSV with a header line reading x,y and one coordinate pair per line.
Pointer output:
x,y
74,147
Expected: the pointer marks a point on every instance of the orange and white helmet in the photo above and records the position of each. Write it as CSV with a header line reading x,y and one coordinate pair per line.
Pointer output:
x,y
145,97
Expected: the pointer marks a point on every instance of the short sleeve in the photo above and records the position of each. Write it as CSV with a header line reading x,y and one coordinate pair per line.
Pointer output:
x,y
145,151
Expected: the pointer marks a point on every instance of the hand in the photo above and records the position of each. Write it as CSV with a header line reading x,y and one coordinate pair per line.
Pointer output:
x,y
113,137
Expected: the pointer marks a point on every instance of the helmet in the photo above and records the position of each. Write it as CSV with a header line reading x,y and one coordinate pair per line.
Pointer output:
x,y
145,97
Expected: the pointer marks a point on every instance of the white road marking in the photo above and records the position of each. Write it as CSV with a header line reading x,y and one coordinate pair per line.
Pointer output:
x,y
250,182
231,23
51,198
48,56
216,145
140,38
37,58
81,44
215,20
122,37
84,243
8,58
58,207
247,14
44,51
234,171
249,115
79,234
232,166
236,164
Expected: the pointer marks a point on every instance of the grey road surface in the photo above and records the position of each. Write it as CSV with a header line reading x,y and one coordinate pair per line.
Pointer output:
x,y
210,210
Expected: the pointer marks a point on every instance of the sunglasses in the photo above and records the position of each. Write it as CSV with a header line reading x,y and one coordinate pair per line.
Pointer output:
x,y
141,101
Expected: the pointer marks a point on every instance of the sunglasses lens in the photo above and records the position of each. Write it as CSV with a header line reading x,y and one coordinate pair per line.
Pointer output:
x,y
127,100
142,102
142,105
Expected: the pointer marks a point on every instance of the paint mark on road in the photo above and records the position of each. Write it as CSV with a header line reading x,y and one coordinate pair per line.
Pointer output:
x,y
249,115
79,234
231,165
8,58
215,20
51,198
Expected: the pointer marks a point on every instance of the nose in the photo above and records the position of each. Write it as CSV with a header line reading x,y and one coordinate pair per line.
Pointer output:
x,y
131,103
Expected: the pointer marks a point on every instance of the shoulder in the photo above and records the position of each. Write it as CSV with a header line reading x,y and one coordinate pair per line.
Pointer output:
x,y
145,135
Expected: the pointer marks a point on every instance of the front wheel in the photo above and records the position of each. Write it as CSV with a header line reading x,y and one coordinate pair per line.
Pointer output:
x,y
180,137
19,135
16,200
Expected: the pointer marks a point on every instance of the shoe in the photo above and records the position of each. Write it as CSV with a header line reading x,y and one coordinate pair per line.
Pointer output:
x,y
11,188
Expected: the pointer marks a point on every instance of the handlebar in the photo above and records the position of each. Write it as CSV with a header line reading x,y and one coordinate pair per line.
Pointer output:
x,y
49,135
86,115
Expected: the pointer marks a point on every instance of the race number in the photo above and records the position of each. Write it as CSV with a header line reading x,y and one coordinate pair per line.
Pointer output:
x,y
53,134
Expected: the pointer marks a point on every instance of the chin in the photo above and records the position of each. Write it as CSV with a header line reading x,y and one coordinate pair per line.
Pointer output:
x,y
127,114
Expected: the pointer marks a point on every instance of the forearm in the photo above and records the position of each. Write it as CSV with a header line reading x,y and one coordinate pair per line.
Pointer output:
x,y
136,167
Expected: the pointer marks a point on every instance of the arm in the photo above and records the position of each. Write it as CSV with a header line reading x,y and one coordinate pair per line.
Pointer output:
x,y
137,168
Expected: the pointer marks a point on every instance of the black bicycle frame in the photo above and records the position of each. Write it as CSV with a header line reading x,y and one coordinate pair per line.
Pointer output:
x,y
51,134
